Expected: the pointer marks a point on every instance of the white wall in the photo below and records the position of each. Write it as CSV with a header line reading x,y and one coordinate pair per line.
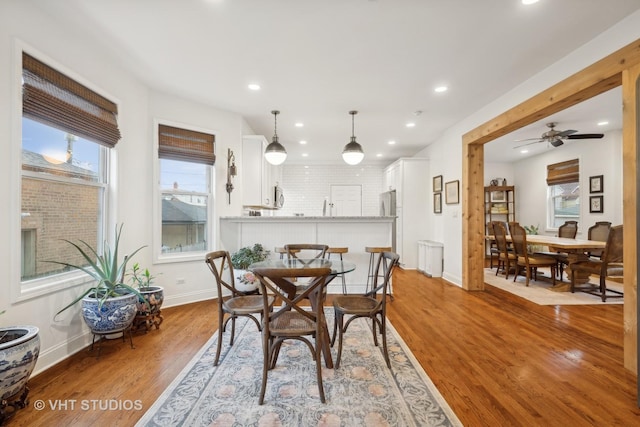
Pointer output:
x,y
306,187
91,63
446,153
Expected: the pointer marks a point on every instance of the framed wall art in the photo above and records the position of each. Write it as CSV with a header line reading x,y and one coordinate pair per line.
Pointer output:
x,y
596,204
596,184
452,192
437,203
437,184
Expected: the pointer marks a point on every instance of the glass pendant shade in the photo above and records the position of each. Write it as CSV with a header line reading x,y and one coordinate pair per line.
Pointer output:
x,y
352,153
275,152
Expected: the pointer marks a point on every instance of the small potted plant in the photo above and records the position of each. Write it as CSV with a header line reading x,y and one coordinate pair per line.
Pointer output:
x,y
246,281
148,313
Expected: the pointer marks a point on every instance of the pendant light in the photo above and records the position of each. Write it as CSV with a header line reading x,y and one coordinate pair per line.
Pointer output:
x,y
275,152
352,153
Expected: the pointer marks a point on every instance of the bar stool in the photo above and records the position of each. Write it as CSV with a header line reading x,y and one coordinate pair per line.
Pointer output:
x,y
339,251
373,250
282,251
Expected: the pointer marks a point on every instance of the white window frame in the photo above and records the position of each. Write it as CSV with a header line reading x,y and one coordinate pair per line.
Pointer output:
x,y
26,290
158,256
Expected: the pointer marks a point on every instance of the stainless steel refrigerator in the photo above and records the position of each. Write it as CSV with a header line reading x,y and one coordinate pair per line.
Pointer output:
x,y
388,208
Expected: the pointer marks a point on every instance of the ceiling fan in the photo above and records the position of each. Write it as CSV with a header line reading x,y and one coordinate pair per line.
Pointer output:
x,y
555,137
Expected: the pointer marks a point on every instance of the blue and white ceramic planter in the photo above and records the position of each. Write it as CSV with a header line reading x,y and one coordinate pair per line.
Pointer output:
x,y
19,350
115,315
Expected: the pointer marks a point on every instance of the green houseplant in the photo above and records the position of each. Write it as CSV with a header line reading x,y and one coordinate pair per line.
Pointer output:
x,y
108,304
148,312
245,281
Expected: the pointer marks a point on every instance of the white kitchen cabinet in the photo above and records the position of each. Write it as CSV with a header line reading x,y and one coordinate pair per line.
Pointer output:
x,y
412,183
258,176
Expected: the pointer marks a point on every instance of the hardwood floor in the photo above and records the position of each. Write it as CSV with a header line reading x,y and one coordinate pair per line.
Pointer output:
x,y
498,360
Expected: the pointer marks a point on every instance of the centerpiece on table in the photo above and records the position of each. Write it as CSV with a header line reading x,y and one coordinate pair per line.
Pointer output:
x,y
245,280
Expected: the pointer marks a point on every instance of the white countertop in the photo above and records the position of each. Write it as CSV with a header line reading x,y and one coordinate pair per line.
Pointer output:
x,y
308,218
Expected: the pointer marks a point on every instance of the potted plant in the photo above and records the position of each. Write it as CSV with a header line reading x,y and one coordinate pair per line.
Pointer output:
x,y
109,305
246,281
19,350
148,312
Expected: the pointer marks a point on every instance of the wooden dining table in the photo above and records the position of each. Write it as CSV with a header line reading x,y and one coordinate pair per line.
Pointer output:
x,y
577,250
290,287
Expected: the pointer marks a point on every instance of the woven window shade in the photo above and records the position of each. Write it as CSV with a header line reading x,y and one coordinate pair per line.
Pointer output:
x,y
52,98
186,145
563,172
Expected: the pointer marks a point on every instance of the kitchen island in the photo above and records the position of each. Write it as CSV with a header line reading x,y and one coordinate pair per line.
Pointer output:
x,y
355,233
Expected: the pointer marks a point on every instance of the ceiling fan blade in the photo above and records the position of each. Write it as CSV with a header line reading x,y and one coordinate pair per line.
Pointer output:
x,y
586,136
566,133
529,143
556,143
528,139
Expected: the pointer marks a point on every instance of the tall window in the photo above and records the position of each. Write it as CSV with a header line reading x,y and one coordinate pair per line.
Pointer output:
x,y
563,180
66,131
186,157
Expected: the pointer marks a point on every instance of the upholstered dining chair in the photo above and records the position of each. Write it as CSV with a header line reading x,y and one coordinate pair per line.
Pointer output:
x,y
494,251
235,305
292,320
505,254
528,262
610,264
600,232
372,305
568,230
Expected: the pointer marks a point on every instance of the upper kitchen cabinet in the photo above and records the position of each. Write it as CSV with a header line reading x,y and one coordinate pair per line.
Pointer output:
x,y
259,177
391,176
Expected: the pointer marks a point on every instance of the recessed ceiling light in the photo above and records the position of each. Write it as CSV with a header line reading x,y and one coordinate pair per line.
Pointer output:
x,y
604,123
527,2
392,142
306,167
303,142
410,124
305,155
525,151
254,86
440,89
299,125
379,155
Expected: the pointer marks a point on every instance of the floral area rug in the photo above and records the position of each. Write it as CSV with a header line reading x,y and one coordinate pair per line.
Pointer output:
x,y
362,392
540,292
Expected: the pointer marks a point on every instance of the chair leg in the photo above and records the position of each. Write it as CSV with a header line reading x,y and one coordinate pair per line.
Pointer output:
x,y
340,321
220,330
383,332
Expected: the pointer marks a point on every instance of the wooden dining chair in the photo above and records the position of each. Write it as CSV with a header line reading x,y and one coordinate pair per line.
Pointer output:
x,y
600,232
568,230
609,265
292,319
494,251
372,305
306,250
526,261
237,303
506,255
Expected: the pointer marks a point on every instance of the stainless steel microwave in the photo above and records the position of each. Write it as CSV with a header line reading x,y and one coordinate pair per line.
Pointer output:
x,y
278,197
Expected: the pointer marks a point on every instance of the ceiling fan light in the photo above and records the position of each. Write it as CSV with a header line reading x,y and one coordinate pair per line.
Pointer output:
x,y
352,153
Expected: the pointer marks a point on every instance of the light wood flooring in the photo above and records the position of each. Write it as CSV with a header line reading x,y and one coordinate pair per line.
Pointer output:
x,y
498,360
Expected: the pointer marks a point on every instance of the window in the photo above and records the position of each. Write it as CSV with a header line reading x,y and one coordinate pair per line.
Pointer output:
x,y
186,157
563,180
66,131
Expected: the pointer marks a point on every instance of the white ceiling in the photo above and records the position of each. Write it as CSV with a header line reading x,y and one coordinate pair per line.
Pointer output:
x,y
315,61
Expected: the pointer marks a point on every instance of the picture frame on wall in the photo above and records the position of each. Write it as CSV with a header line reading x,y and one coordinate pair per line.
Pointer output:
x,y
437,203
596,184
452,192
437,184
596,204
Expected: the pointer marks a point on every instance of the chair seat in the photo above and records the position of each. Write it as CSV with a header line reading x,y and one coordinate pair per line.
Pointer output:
x,y
292,323
510,255
538,260
595,267
245,304
354,304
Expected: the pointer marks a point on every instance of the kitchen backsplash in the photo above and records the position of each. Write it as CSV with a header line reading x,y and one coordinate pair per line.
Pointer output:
x,y
306,187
